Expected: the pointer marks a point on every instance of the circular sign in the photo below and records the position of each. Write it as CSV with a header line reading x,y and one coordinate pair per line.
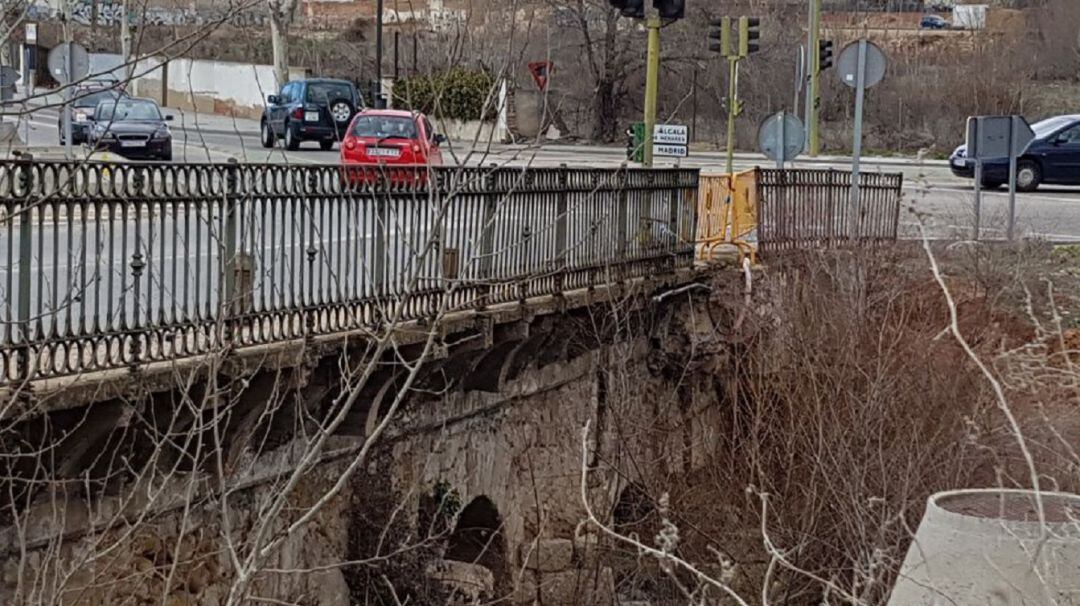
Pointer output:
x,y
847,64
58,63
782,137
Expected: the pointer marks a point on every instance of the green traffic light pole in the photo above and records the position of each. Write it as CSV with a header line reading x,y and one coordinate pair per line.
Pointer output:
x,y
733,110
652,85
813,102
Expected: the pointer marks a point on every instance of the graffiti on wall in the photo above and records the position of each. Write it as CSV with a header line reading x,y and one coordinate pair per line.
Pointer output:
x,y
111,13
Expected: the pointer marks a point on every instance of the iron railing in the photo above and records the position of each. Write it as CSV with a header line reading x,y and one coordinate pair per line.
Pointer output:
x,y
800,209
121,265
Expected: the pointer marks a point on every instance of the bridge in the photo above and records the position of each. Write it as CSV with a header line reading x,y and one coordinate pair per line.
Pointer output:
x,y
175,336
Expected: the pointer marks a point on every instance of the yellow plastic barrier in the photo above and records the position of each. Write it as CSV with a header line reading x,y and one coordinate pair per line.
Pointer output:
x,y
727,214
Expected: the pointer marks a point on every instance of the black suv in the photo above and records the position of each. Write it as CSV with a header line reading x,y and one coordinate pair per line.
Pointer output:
x,y
310,110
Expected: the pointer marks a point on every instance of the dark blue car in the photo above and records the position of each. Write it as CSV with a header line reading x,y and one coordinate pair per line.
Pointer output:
x,y
1052,158
934,22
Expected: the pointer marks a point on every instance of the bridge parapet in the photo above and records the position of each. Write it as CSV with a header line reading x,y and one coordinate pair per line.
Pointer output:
x,y
113,266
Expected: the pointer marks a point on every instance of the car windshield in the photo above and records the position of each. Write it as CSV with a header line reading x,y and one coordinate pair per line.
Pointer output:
x,y
124,111
385,126
1047,127
325,92
92,99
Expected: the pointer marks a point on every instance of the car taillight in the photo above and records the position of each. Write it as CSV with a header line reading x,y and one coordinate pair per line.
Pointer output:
x,y
298,113
350,144
416,148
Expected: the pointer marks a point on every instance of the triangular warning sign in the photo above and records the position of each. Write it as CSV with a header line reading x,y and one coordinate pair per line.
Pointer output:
x,y
541,70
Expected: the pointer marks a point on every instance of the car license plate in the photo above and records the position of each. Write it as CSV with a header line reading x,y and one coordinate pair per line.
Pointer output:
x,y
384,152
133,144
311,116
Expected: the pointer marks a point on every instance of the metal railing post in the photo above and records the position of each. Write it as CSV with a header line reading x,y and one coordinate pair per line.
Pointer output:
x,y
487,240
138,264
26,260
561,209
621,228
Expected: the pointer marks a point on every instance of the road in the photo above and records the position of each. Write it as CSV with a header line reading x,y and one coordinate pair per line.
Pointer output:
x,y
934,197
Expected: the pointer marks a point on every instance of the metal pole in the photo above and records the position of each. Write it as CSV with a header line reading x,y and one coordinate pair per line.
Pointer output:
x,y
733,100
800,77
815,76
782,156
978,198
807,70
693,112
378,54
860,96
397,53
652,84
1010,233
69,152
29,80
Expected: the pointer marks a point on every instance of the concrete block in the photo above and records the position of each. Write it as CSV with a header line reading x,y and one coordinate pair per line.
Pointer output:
x,y
469,581
578,587
547,555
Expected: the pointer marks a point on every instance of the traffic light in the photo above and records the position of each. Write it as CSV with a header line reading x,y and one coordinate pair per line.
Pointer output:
x,y
630,8
825,55
749,35
720,36
670,9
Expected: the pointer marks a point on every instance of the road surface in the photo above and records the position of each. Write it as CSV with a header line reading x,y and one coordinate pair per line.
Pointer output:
x,y
934,198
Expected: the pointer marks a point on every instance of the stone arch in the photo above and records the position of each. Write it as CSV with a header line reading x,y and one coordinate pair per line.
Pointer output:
x,y
478,536
634,511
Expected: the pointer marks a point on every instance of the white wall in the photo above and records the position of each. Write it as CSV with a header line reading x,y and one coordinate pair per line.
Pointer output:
x,y
221,87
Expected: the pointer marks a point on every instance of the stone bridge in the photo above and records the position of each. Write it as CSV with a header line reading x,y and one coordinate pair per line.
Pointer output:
x,y
232,383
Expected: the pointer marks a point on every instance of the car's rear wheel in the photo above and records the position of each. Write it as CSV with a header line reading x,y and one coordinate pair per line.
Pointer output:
x,y
1028,176
326,144
341,111
268,138
292,143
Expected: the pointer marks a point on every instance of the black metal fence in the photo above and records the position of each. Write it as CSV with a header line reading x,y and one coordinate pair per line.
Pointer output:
x,y
113,266
800,209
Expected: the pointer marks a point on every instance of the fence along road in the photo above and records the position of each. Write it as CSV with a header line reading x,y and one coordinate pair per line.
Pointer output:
x,y
113,266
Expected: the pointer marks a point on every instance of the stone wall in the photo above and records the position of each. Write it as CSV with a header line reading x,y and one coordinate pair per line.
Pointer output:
x,y
504,445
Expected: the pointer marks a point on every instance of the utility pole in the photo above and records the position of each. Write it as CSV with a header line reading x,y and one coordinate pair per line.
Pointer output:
x,y
813,98
378,100
652,85
125,41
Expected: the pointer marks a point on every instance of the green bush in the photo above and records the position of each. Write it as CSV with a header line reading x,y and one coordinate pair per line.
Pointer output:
x,y
458,94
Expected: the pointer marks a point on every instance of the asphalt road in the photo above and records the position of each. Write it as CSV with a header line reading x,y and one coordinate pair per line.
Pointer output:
x,y
934,198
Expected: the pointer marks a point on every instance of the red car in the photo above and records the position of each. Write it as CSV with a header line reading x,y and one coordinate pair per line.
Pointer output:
x,y
391,138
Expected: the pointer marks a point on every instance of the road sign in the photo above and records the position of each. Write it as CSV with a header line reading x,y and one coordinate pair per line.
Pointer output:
x,y
671,134
31,33
782,137
998,136
861,65
993,137
541,72
847,65
58,63
670,151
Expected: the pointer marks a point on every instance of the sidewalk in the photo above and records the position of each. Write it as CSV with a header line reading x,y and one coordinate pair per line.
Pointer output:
x,y
742,156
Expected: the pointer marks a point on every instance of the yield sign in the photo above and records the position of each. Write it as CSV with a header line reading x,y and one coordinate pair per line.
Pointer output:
x,y
541,70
